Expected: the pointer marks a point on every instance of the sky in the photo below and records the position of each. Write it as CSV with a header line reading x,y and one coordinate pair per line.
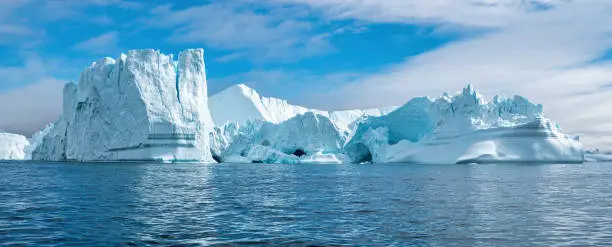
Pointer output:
x,y
326,54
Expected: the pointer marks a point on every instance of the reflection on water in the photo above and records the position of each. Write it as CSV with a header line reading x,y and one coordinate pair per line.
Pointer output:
x,y
302,205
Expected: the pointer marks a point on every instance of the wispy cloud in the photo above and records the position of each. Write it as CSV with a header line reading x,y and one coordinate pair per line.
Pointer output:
x,y
102,44
32,69
23,23
76,10
13,30
230,57
241,28
484,13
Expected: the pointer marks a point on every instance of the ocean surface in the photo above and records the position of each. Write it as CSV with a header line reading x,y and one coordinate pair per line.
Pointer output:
x,y
75,204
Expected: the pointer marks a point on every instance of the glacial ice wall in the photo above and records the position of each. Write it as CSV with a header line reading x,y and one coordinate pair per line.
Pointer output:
x,y
141,106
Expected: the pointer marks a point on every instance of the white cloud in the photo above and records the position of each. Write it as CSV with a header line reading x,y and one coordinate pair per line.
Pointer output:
x,y
12,31
484,13
27,109
547,56
76,10
104,43
241,28
33,69
24,23
230,57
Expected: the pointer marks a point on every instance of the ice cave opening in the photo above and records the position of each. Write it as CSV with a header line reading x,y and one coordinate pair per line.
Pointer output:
x,y
299,152
360,153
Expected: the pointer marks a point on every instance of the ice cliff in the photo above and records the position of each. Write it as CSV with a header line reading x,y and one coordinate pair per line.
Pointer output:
x,y
141,106
12,146
464,128
240,103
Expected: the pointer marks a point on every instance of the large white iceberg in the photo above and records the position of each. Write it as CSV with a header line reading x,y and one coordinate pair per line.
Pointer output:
x,y
464,128
141,106
12,146
305,138
240,103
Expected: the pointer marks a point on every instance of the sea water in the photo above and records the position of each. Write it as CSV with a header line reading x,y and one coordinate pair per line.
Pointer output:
x,y
129,204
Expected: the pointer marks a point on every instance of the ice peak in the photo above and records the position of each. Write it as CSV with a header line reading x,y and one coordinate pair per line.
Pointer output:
x,y
469,88
102,62
470,94
242,87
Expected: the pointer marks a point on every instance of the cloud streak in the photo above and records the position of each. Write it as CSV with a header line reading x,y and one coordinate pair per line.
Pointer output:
x,y
241,28
104,43
482,13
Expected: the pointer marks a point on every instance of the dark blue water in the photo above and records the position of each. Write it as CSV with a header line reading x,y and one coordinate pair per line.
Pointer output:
x,y
305,205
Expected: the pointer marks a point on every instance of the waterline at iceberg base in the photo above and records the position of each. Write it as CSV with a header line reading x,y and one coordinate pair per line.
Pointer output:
x,y
144,106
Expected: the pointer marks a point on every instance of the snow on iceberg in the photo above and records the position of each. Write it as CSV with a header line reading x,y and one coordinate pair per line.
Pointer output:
x,y
305,138
464,128
240,103
12,146
142,106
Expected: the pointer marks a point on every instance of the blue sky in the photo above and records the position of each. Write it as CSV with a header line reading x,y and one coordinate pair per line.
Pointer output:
x,y
330,54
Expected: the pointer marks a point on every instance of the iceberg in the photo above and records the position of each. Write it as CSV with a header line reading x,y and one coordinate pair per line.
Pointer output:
x,y
597,156
464,128
240,104
12,146
143,106
305,138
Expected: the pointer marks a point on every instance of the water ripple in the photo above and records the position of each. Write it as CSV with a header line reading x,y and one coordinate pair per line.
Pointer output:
x,y
304,205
